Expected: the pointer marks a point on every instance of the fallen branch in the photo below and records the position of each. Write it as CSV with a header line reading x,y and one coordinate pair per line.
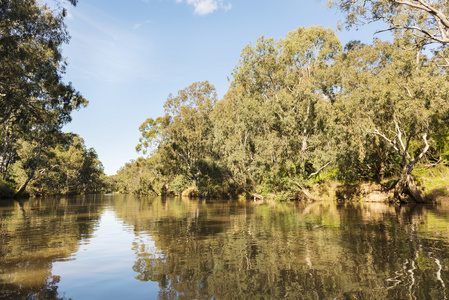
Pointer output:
x,y
305,192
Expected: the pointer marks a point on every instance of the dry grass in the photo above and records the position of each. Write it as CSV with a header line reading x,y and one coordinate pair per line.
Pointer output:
x,y
434,180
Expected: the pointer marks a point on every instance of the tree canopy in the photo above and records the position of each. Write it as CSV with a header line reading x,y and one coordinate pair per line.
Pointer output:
x,y
35,102
302,109
428,21
394,94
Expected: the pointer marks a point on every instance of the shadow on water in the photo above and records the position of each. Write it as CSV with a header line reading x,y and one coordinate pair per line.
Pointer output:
x,y
227,249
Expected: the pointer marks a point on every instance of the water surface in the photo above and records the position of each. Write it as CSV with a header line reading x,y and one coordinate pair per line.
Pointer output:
x,y
128,247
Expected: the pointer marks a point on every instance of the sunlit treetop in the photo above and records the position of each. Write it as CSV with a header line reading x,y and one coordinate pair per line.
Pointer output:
x,y
428,20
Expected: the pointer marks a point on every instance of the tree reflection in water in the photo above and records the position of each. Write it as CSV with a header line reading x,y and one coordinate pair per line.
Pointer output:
x,y
313,251
35,234
230,249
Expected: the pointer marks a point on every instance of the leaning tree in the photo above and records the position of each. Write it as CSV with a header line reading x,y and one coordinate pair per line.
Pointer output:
x,y
394,94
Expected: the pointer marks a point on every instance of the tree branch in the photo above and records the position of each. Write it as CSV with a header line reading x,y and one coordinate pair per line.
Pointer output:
x,y
393,144
426,147
442,22
428,8
319,170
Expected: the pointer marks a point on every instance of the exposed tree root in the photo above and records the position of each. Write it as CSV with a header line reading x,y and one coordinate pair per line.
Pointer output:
x,y
406,188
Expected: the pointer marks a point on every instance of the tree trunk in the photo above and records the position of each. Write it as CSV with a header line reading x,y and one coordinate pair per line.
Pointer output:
x,y
195,181
5,149
406,186
24,185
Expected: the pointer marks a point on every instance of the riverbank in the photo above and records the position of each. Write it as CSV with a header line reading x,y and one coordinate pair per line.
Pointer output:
x,y
432,181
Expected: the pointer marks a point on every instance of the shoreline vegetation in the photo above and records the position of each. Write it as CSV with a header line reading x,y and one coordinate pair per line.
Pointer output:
x,y
301,113
36,157
305,117
433,182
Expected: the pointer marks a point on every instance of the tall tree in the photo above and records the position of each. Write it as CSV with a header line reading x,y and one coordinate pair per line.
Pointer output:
x,y
389,93
31,85
33,96
184,134
282,92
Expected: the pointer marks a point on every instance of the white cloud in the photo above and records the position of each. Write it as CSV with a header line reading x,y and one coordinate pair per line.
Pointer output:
x,y
204,7
138,25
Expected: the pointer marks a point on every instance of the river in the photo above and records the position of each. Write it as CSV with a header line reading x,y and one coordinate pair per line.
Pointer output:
x,y
130,247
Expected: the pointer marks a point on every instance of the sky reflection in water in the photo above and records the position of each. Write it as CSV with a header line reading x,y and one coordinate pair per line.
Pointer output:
x,y
102,268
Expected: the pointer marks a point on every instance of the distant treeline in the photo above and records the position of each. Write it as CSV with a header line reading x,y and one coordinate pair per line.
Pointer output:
x,y
35,156
301,110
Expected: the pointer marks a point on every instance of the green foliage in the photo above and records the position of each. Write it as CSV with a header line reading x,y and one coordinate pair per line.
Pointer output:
x,y
365,157
31,87
391,93
283,196
139,177
269,126
326,176
299,111
35,103
66,168
179,184
152,134
439,150
182,138
6,190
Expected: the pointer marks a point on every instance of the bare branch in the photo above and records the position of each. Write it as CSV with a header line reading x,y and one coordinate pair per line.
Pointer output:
x,y
392,143
319,170
428,8
399,136
426,147
305,191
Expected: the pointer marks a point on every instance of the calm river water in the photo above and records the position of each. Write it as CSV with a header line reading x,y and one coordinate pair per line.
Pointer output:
x,y
128,247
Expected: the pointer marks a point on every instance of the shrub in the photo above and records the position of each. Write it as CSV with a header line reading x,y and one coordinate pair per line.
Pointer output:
x,y
6,190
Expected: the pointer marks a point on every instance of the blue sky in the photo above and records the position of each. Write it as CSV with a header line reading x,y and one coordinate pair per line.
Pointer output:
x,y
126,57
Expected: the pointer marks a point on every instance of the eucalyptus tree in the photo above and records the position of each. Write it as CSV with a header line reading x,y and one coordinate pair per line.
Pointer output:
x,y
33,96
394,94
282,92
31,85
428,20
235,132
183,136
71,168
152,131
66,166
